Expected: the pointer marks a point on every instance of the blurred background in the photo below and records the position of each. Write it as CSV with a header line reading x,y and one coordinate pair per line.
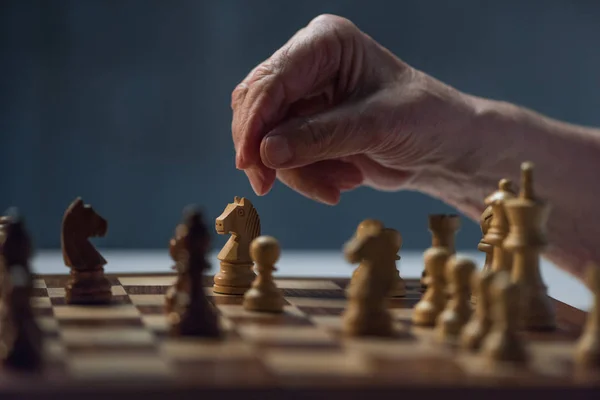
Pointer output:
x,y
127,103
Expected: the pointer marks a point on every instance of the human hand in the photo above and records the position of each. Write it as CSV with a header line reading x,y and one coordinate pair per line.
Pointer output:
x,y
332,110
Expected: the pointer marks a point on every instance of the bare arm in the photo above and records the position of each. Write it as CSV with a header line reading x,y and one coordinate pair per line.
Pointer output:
x,y
567,169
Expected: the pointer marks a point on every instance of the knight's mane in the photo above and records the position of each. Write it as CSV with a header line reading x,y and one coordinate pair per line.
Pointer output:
x,y
252,227
71,211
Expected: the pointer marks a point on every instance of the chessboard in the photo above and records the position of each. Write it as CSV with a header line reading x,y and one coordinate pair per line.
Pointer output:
x,y
123,350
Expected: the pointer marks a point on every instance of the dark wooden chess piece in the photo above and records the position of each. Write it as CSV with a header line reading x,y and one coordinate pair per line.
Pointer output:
x,y
181,285
21,339
88,284
192,314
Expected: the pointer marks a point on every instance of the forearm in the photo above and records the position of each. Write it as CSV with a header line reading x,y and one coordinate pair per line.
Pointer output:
x,y
567,167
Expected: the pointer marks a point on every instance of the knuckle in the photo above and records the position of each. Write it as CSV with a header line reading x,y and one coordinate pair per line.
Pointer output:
x,y
333,21
238,95
316,138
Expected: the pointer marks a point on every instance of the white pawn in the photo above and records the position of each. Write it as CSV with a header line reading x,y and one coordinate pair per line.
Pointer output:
x,y
264,296
458,309
587,352
503,344
434,300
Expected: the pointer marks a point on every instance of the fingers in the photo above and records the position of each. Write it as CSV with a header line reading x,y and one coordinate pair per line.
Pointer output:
x,y
309,59
323,181
340,132
261,179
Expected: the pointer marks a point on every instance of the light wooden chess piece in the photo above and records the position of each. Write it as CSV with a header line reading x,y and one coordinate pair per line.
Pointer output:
x,y
503,344
399,287
434,299
364,228
587,351
264,295
479,325
484,224
458,309
526,239
241,220
501,258
367,313
505,191
443,228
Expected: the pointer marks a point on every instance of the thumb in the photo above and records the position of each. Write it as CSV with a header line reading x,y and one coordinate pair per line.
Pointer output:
x,y
333,134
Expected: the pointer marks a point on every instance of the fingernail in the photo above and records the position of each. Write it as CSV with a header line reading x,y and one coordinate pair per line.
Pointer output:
x,y
277,150
256,181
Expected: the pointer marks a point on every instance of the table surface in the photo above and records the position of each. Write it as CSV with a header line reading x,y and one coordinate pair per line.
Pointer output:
x,y
308,263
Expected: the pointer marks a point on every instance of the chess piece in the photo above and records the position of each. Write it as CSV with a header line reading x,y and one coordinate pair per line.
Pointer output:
x,y
587,351
501,258
87,284
503,343
486,248
399,287
434,299
264,295
505,191
483,246
21,340
443,228
241,220
479,325
192,314
367,313
182,285
363,228
458,309
527,216
504,260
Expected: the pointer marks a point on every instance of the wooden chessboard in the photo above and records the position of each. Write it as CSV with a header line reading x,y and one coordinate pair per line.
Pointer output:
x,y
124,349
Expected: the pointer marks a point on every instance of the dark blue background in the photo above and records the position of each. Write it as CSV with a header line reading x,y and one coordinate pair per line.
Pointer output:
x,y
126,103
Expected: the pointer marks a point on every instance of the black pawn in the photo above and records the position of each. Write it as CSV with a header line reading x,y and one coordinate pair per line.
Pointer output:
x,y
197,316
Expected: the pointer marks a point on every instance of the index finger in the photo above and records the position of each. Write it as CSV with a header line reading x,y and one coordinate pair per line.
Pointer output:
x,y
308,60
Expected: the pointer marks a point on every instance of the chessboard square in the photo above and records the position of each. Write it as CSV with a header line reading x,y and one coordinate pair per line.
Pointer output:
x,y
156,323
316,363
47,324
159,324
317,303
327,321
111,336
116,366
56,292
315,293
40,302
39,284
118,291
166,280
54,350
307,284
123,311
238,311
60,292
288,335
191,349
402,314
147,299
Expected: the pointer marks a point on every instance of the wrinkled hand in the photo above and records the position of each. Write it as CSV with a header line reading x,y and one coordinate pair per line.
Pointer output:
x,y
332,110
